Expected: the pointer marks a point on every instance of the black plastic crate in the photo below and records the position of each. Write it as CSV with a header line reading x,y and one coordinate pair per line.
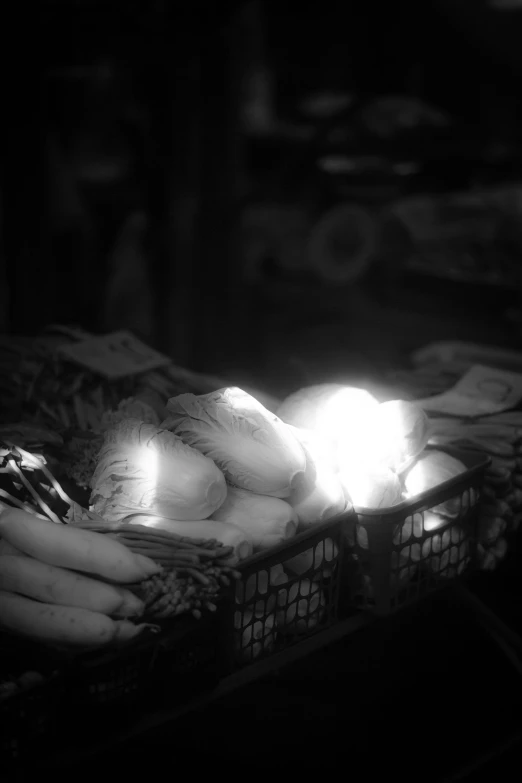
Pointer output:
x,y
397,555
274,607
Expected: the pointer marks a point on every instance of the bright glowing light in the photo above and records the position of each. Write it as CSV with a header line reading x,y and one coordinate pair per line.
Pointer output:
x,y
371,488
346,414
148,461
346,420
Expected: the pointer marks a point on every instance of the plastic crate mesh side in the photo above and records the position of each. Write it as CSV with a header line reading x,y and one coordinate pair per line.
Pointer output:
x,y
293,596
399,560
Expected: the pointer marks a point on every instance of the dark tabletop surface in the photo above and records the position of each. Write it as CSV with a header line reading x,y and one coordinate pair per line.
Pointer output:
x,y
424,695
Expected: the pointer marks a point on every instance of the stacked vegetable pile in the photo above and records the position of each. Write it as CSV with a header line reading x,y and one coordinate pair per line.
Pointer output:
x,y
222,478
180,506
380,458
376,450
193,508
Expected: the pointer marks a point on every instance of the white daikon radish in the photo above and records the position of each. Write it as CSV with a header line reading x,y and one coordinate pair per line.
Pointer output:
x,y
8,549
63,626
73,548
53,585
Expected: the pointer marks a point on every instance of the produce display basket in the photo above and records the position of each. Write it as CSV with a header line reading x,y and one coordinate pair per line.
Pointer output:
x,y
395,556
274,609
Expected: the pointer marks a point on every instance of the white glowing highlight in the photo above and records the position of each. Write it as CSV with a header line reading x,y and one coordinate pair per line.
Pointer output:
x,y
346,415
148,461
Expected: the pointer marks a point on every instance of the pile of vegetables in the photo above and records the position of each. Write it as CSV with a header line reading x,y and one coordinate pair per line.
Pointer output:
x,y
380,458
192,573
177,508
221,479
66,587
376,450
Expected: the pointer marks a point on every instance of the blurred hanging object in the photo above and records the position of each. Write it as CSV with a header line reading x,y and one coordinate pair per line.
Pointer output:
x,y
258,109
128,295
101,153
342,244
73,243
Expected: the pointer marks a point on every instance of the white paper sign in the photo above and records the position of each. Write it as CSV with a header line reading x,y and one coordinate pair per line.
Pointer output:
x,y
480,392
114,355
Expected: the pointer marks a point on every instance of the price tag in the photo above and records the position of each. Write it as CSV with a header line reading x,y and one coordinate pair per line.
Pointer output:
x,y
114,355
482,391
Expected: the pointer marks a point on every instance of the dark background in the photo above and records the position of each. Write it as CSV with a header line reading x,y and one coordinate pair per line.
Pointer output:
x,y
132,163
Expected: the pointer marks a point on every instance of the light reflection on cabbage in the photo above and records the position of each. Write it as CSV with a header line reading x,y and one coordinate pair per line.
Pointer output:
x,y
144,469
